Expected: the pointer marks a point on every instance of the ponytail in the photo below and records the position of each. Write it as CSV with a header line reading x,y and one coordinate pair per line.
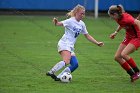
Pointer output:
x,y
73,12
120,9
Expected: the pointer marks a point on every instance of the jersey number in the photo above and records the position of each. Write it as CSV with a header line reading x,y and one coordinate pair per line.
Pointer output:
x,y
76,34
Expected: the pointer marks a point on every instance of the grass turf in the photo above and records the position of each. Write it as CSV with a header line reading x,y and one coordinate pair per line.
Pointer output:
x,y
28,49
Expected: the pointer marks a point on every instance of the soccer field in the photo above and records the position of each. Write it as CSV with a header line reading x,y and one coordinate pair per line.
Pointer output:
x,y
28,49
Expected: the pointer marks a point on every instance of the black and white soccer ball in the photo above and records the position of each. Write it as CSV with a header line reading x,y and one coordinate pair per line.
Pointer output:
x,y
66,77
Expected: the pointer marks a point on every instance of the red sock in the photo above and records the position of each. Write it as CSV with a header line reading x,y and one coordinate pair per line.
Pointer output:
x,y
126,66
131,62
128,69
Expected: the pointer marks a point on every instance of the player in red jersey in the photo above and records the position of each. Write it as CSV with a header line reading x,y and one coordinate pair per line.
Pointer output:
x,y
131,41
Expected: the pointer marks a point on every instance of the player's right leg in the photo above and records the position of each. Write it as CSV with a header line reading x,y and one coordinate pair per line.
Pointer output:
x,y
56,68
66,55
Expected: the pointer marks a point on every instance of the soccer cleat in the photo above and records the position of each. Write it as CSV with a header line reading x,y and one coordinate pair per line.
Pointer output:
x,y
57,79
135,77
53,76
138,73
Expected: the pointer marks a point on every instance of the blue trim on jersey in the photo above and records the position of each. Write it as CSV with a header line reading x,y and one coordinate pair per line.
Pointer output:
x,y
73,63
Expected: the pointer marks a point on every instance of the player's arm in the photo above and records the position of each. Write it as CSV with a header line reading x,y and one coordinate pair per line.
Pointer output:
x,y
112,36
137,22
138,17
91,39
56,22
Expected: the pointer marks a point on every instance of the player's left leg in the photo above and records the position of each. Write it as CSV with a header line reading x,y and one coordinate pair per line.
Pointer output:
x,y
73,66
130,48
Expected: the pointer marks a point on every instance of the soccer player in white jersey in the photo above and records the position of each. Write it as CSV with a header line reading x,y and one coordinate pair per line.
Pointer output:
x,y
73,27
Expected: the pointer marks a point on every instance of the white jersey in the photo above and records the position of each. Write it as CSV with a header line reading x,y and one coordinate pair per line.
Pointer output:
x,y
72,29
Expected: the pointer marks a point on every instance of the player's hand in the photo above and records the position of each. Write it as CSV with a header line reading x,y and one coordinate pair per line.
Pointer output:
x,y
112,36
100,44
55,20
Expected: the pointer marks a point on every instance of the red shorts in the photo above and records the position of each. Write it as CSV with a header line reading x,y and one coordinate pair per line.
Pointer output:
x,y
134,41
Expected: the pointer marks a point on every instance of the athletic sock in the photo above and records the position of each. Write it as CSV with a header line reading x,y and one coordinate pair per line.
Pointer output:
x,y
130,72
136,69
57,67
132,63
67,69
127,68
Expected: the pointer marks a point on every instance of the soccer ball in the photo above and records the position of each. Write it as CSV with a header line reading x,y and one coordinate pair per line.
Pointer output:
x,y
66,77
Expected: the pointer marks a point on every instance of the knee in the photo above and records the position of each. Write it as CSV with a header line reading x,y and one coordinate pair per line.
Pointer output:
x,y
67,61
116,57
123,55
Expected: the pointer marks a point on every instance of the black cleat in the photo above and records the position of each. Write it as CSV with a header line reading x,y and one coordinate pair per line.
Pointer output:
x,y
57,79
53,76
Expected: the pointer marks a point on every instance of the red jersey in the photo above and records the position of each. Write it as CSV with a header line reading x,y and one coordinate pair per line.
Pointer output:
x,y
127,22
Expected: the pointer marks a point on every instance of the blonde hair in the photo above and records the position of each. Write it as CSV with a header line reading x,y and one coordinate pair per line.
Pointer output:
x,y
116,9
73,12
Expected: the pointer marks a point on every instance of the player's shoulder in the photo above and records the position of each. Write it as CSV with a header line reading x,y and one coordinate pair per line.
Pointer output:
x,y
68,20
82,22
71,19
127,15
127,18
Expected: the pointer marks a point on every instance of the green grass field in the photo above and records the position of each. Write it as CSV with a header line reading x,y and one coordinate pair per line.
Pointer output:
x,y
28,49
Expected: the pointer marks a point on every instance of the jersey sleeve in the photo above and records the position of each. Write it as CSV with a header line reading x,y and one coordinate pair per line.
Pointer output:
x,y
84,31
65,22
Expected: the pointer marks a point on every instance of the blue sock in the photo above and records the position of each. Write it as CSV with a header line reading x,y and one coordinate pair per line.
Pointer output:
x,y
73,63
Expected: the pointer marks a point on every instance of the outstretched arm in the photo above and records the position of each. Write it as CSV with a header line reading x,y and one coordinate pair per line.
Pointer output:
x,y
112,36
56,22
137,22
138,17
91,39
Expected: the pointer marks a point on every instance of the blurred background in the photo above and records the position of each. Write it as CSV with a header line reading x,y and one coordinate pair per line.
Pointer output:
x,y
93,7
